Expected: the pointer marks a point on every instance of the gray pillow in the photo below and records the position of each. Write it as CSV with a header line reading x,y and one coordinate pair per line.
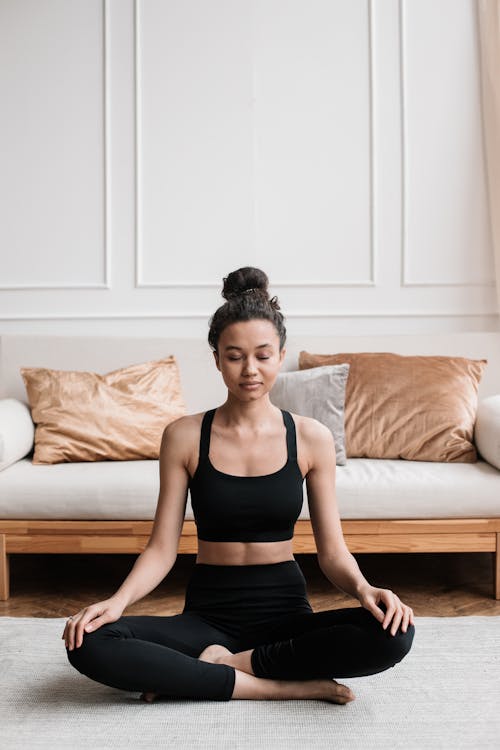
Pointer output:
x,y
317,392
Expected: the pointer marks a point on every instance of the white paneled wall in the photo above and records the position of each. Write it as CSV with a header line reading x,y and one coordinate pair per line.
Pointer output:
x,y
150,147
53,136
445,239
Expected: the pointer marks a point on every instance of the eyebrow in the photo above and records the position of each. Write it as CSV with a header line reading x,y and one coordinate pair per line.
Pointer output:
x,y
232,346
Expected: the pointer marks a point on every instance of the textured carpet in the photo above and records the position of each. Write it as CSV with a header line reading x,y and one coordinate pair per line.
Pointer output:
x,y
444,694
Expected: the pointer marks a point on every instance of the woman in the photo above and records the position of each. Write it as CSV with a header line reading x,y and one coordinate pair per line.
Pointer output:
x,y
247,629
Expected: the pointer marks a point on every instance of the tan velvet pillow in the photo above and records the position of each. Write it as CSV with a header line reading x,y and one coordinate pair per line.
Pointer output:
x,y
421,408
120,416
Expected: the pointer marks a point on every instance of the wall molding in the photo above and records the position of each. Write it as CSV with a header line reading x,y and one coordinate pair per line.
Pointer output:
x,y
105,284
140,283
189,315
405,281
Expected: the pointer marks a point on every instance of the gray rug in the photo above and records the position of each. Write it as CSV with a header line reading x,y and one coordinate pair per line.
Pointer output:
x,y
444,694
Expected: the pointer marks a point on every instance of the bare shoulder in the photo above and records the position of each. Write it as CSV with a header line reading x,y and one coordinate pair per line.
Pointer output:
x,y
182,426
314,440
311,431
182,433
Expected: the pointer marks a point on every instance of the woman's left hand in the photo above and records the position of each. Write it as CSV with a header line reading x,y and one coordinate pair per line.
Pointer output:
x,y
396,611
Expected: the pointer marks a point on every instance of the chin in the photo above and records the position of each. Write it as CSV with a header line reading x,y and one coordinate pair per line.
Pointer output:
x,y
249,395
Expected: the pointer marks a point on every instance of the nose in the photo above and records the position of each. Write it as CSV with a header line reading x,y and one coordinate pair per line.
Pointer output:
x,y
249,368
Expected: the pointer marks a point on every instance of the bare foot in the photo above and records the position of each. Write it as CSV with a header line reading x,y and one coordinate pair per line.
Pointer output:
x,y
149,697
250,687
320,689
215,654
333,691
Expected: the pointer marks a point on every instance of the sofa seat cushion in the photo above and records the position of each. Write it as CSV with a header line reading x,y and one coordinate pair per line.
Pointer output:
x,y
392,488
91,491
366,488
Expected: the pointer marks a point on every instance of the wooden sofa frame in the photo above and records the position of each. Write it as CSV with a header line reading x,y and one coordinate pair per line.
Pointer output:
x,y
426,535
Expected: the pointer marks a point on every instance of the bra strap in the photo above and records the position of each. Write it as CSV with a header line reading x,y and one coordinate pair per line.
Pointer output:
x,y
291,437
205,434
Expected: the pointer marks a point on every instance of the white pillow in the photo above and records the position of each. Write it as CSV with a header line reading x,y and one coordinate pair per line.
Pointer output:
x,y
17,431
317,392
487,430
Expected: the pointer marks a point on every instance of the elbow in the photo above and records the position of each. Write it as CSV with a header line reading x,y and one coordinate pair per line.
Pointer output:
x,y
165,555
333,558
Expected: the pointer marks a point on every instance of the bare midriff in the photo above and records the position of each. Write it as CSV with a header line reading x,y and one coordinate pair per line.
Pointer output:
x,y
243,553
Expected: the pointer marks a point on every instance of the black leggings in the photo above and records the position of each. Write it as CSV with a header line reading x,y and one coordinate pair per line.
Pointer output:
x,y
260,607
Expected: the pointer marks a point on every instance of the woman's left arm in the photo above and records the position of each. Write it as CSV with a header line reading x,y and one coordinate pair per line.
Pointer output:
x,y
334,557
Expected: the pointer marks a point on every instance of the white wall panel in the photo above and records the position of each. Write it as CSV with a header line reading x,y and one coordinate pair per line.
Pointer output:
x,y
53,138
194,139
446,236
313,140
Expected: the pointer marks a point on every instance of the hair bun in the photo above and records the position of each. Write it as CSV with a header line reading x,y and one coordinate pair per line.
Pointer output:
x,y
245,280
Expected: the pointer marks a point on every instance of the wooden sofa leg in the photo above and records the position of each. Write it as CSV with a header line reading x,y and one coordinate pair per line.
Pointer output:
x,y
496,569
4,569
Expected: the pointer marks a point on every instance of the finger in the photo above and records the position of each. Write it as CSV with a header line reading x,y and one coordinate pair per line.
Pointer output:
x,y
80,629
70,635
66,627
78,635
396,621
406,620
391,608
376,611
88,625
72,625
94,624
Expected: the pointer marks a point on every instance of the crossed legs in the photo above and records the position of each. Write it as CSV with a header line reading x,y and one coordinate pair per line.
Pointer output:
x,y
297,656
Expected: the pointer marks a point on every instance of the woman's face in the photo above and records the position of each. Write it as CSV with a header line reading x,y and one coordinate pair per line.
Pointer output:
x,y
248,353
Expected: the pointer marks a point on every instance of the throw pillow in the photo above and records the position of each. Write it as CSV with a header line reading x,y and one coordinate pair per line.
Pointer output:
x,y
420,408
119,416
317,393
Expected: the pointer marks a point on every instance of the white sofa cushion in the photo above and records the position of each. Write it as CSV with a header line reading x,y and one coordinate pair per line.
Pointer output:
x,y
366,488
17,431
487,430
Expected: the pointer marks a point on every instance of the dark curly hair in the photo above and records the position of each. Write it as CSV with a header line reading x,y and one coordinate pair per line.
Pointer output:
x,y
247,299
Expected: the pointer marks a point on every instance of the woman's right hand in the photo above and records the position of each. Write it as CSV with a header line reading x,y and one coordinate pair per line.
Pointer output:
x,y
89,619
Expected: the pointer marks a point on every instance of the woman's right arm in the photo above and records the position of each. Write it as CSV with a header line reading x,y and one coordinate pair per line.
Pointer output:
x,y
156,561
153,564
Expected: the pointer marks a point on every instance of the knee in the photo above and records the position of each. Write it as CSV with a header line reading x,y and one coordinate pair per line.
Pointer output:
x,y
79,655
398,645
89,653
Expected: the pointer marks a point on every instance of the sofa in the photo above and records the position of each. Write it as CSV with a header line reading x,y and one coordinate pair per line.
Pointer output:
x,y
385,505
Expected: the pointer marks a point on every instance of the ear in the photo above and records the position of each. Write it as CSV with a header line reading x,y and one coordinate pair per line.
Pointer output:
x,y
282,355
216,357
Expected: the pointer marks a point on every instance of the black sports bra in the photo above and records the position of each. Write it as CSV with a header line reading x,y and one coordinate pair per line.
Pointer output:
x,y
230,508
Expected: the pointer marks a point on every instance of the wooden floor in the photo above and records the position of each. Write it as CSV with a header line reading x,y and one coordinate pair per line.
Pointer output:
x,y
433,584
